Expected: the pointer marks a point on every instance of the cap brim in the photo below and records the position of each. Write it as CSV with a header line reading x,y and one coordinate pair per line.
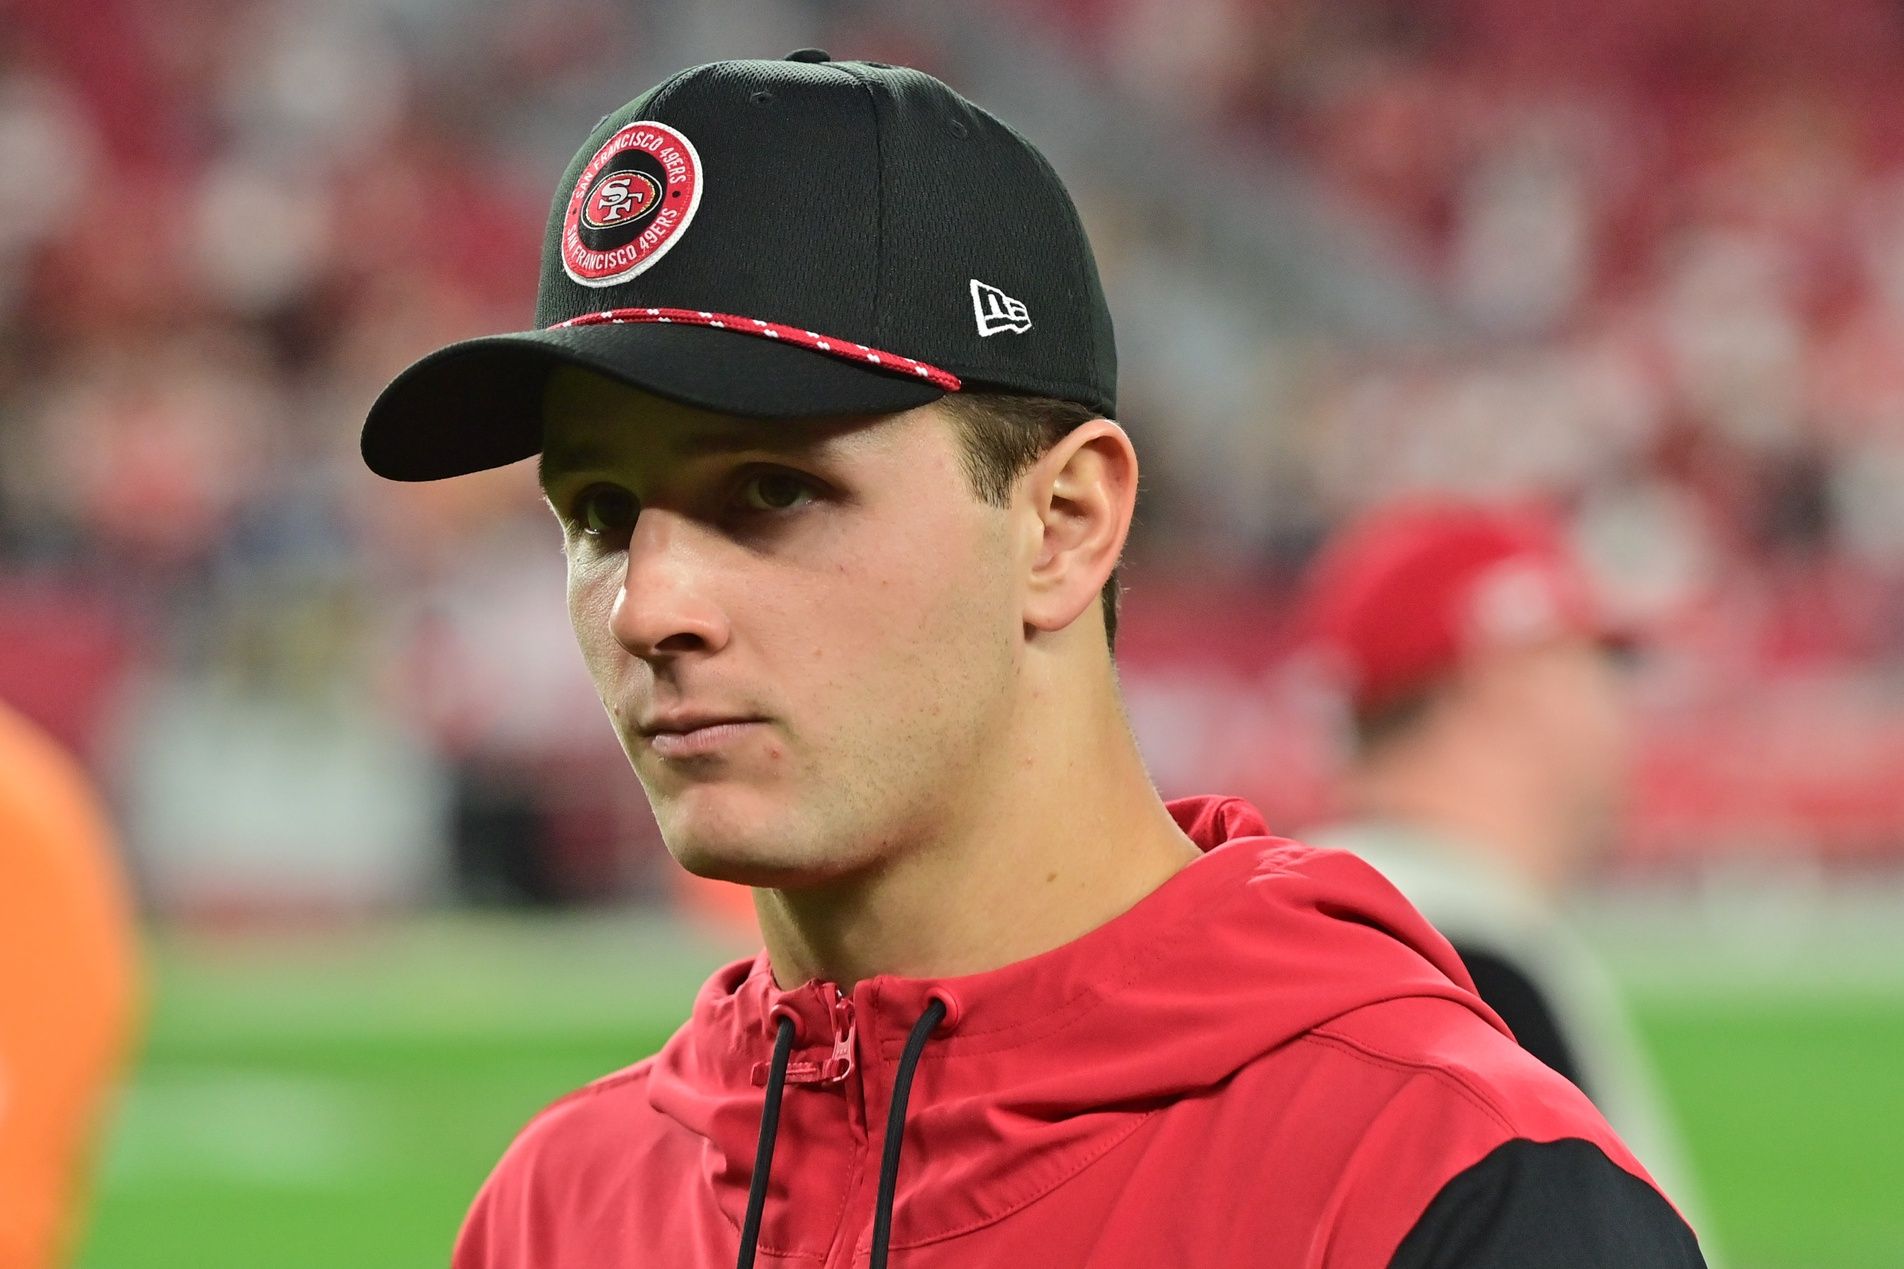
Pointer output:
x,y
478,404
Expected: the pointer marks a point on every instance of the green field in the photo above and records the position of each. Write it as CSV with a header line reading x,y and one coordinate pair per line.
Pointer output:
x,y
335,1100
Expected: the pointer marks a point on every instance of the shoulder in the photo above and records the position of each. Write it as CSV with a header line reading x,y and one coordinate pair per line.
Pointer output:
x,y
574,1136
1527,1005
599,1110
1470,1145
600,1116
1452,1068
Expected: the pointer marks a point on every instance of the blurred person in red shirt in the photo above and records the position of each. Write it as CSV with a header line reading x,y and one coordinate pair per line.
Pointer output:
x,y
1490,758
68,990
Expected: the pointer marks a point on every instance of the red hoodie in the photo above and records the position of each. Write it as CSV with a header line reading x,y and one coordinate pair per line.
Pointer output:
x,y
1270,1060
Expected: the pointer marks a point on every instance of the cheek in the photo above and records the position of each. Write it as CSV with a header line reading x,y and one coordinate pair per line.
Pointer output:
x,y
592,588
914,623
1596,722
1616,733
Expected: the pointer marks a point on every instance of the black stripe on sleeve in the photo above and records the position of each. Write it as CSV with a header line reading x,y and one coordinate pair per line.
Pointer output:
x,y
1548,1205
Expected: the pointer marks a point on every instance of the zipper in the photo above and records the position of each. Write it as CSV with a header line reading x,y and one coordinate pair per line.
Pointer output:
x,y
840,1069
839,1064
855,1209
831,1069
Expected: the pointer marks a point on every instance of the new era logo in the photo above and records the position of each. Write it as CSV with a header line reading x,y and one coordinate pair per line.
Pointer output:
x,y
997,311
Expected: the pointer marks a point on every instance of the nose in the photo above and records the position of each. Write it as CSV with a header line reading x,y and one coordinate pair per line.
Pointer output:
x,y
666,606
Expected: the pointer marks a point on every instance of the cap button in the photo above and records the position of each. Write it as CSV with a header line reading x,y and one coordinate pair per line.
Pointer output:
x,y
809,55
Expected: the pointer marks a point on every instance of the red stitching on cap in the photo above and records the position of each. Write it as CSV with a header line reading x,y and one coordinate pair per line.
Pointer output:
x,y
841,348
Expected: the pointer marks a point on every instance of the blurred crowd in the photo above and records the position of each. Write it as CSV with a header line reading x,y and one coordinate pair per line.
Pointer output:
x,y
226,225
1670,243
1667,241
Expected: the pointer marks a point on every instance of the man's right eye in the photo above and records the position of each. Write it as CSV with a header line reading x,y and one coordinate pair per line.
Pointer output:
x,y
603,511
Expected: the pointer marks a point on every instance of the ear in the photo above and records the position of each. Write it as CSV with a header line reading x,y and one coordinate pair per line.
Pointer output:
x,y
1080,496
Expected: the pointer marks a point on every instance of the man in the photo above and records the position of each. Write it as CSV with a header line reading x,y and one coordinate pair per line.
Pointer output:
x,y
822,390
67,990
1490,741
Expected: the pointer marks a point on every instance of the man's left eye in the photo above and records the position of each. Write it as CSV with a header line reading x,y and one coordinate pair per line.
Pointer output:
x,y
775,491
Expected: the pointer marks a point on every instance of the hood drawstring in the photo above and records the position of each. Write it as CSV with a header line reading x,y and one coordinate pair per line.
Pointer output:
x,y
896,1127
895,1133
769,1129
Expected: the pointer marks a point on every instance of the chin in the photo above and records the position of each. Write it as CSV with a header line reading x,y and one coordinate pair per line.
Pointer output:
x,y
767,868
745,845
724,861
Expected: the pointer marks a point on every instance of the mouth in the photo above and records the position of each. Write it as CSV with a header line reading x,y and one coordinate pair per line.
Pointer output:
x,y
696,737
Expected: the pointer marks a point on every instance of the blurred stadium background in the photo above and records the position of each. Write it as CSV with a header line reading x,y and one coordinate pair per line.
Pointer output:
x,y
1644,257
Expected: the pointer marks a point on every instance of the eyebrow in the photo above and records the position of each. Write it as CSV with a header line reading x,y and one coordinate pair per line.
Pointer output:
x,y
698,444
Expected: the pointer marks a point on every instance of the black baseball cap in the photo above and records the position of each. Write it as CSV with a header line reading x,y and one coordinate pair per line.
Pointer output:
x,y
779,239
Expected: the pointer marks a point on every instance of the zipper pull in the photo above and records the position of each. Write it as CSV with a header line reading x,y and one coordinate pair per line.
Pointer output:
x,y
832,1069
836,1068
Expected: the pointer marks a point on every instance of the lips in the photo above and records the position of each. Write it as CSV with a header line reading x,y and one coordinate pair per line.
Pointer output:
x,y
682,723
704,738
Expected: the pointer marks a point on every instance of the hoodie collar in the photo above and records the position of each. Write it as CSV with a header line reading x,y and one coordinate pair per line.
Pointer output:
x,y
1043,1064
1040,991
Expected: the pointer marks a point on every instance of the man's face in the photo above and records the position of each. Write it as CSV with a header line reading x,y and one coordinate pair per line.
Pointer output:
x,y
804,632
1581,711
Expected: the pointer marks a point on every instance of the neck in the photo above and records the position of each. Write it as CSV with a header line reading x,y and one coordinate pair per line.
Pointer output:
x,y
1482,799
1065,834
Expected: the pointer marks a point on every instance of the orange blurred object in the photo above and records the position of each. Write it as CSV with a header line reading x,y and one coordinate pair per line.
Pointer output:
x,y
721,905
68,989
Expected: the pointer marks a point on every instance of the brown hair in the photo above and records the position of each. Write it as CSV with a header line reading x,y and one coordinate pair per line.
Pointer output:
x,y
1003,435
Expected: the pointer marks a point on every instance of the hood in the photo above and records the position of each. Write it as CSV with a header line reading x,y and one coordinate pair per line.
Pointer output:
x,y
1043,1065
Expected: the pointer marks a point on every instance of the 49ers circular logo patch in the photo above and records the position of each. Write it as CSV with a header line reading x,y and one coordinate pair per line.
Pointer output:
x,y
632,202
